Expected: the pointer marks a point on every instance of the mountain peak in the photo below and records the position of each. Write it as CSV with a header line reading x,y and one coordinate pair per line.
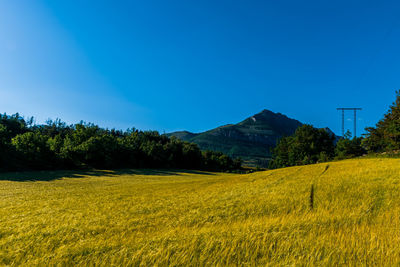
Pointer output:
x,y
272,120
266,111
251,139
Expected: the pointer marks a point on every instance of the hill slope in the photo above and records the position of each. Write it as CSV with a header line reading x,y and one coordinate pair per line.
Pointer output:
x,y
251,139
193,218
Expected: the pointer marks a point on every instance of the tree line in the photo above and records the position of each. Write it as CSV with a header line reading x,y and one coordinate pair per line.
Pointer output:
x,y
311,145
25,145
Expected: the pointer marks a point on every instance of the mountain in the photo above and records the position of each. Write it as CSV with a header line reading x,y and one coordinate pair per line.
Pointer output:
x,y
251,139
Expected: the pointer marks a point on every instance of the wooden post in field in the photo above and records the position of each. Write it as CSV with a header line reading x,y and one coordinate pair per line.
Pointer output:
x,y
312,197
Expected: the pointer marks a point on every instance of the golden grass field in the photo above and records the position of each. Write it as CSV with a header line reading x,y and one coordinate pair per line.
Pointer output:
x,y
191,218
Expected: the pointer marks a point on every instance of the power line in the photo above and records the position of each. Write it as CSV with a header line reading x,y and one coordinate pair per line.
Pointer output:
x,y
355,119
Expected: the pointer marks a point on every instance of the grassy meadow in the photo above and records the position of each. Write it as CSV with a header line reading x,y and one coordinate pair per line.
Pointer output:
x,y
143,217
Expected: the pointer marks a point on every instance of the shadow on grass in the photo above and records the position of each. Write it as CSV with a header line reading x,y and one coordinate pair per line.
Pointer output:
x,y
55,175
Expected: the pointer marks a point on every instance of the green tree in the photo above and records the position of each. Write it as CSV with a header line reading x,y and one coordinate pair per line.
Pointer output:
x,y
307,145
349,148
33,150
385,136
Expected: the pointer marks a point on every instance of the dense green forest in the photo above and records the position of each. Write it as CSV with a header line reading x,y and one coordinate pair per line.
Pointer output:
x,y
56,145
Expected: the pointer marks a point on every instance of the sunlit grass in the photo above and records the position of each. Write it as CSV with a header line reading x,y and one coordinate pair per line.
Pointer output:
x,y
166,218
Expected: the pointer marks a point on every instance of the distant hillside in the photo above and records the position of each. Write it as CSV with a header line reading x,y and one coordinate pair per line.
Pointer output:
x,y
251,139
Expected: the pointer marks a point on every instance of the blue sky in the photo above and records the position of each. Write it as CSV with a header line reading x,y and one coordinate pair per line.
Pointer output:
x,y
196,65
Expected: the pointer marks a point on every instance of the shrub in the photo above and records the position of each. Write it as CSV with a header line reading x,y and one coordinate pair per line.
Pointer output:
x,y
349,148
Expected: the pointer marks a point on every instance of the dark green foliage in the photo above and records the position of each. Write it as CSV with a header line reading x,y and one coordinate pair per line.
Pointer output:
x,y
13,125
31,148
10,126
55,145
307,145
349,148
386,135
213,160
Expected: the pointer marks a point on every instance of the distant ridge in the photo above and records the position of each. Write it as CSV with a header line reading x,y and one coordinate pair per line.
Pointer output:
x,y
251,139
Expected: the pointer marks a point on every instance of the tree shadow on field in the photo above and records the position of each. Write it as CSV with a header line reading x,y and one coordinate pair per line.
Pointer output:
x,y
55,175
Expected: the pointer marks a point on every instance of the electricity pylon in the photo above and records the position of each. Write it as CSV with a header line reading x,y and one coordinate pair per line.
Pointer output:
x,y
355,119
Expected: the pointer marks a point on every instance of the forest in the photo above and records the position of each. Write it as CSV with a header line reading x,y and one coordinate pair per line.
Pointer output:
x,y
25,145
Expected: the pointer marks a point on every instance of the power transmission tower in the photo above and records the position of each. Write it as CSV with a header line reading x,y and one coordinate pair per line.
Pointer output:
x,y
355,119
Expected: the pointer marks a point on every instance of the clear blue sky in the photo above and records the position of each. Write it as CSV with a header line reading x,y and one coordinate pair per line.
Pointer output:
x,y
195,65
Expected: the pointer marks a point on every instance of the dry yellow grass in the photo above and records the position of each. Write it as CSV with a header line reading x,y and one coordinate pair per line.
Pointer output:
x,y
207,219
